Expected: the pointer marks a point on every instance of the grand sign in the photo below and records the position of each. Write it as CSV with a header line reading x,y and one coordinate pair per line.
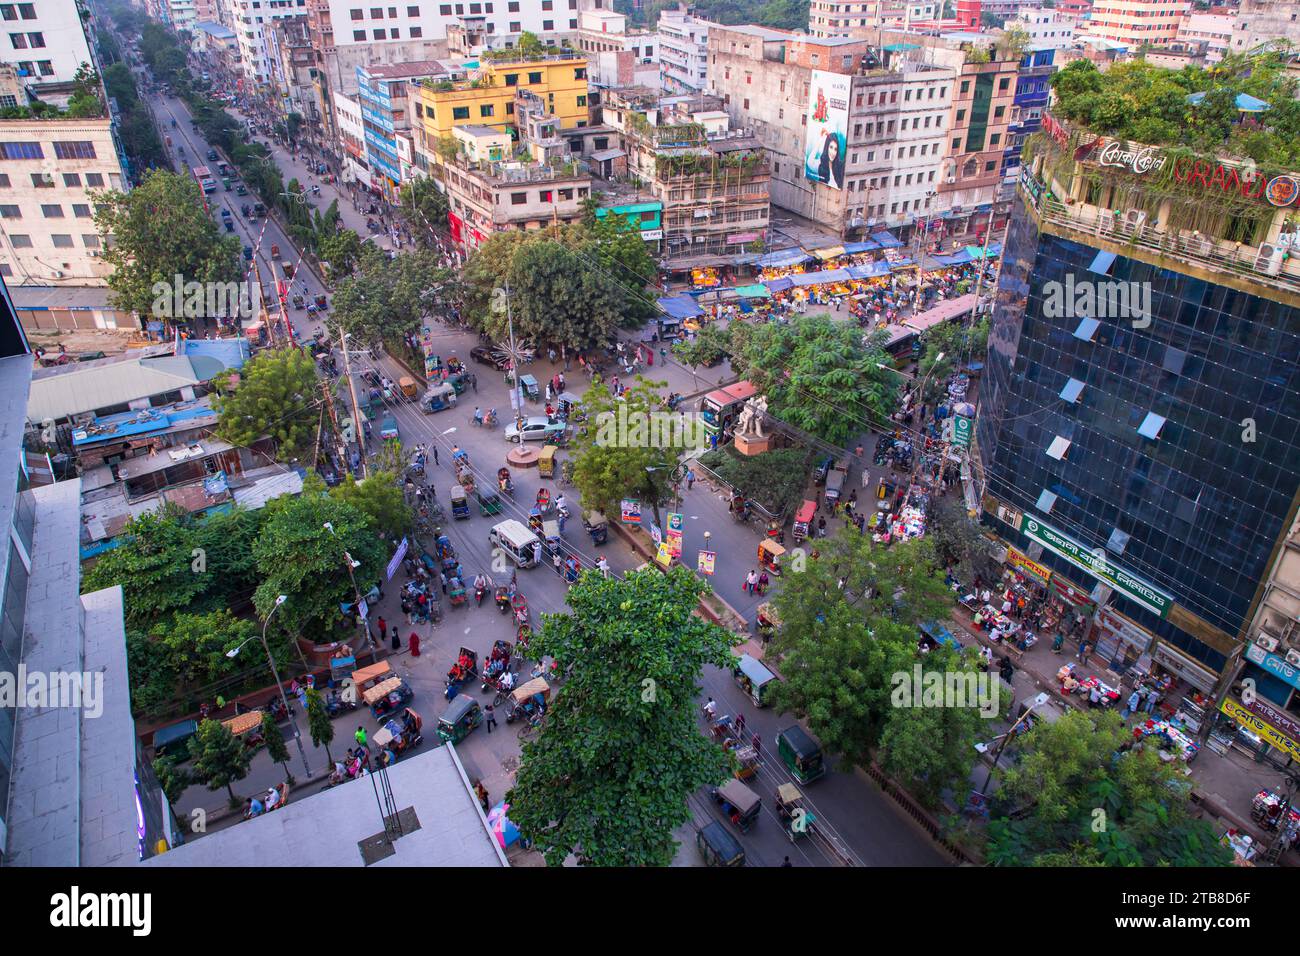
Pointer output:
x,y
1096,563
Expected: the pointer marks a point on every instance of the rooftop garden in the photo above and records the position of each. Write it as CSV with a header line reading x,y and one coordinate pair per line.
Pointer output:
x,y
1148,104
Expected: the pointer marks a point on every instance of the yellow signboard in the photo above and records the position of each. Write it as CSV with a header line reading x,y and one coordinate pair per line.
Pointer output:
x,y
1267,732
1032,568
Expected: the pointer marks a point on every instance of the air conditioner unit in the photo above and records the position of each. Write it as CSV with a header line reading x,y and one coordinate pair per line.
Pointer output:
x,y
950,180
1135,220
1267,641
1269,259
58,273
1293,657
93,253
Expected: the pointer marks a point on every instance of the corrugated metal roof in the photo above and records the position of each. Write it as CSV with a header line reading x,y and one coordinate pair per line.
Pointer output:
x,y
83,389
260,492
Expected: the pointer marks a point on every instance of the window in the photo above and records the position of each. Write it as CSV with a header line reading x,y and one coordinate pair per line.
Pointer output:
x,y
746,103
990,166
359,35
999,112
515,27
1003,84
71,179
510,109
518,199
51,210
412,11
28,11
4,180
392,13
995,139
380,34
485,110
512,6
8,12
445,9
94,180
460,112
548,24
376,13
10,212
20,241
395,33
582,101
965,86
356,14
81,210
46,67
1151,425
42,180
19,40
548,5
580,73
512,79
37,40
1046,501
417,32
1059,448
961,115
1087,330
1072,390
62,241
534,77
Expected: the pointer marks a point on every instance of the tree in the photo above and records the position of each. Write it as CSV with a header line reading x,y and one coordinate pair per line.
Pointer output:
x,y
276,397
161,234
274,740
383,301
319,724
301,559
219,758
620,455
196,645
708,348
776,479
380,498
172,778
620,753
425,207
558,299
530,45
817,375
1080,783
86,101
958,542
341,251
154,564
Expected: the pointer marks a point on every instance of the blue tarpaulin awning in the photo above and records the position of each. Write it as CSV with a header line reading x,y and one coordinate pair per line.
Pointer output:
x,y
853,248
886,240
680,307
870,270
779,285
822,278
753,292
902,263
782,257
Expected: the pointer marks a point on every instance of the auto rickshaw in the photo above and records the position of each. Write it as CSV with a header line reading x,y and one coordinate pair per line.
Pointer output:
x,y
529,385
439,398
753,678
400,734
462,715
287,268
597,526
407,388
505,483
463,671
275,251
535,521
801,754
527,699
746,757
387,696
456,591
489,502
543,501
740,804
546,461
459,502
768,622
803,519
770,554
718,847
791,808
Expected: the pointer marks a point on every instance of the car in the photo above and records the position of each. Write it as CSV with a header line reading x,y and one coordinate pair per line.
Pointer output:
x,y
388,428
823,469
212,155
241,189
248,253
534,428
486,355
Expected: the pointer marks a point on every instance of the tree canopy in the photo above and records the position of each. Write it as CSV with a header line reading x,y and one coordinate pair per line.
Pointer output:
x,y
276,396
385,300
620,752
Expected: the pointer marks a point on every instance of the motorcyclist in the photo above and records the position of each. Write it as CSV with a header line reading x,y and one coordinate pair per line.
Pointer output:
x,y
507,682
491,418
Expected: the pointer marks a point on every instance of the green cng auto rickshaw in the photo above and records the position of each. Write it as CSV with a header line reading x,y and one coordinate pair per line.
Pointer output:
x,y
718,847
801,754
462,715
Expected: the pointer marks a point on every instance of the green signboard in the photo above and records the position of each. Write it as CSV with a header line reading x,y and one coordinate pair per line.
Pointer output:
x,y
1096,563
961,427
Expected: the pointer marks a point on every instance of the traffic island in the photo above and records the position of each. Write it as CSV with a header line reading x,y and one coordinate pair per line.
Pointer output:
x,y
522,457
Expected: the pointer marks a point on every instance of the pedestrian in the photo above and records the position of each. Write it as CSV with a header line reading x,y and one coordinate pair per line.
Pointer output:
x,y
558,562
435,454
1152,699
383,628
1131,707
757,743
740,723
1085,651
413,642
1083,648
443,575
360,737
821,527
786,862
603,566
690,478
710,709
397,640
490,712
480,791
537,552
751,581
561,379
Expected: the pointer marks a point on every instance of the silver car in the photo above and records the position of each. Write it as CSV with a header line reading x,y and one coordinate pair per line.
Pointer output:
x,y
534,428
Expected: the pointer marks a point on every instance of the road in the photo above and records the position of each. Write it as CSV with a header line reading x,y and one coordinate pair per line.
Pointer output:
x,y
874,831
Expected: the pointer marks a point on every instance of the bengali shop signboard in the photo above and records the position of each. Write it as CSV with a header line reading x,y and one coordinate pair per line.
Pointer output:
x,y
1266,731
1031,568
1096,563
1273,664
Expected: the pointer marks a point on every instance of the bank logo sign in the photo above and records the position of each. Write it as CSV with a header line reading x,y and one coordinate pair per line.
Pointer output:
x,y
1096,563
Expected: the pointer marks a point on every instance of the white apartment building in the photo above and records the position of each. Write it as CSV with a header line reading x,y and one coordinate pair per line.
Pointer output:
x,y
363,22
45,42
616,57
49,170
683,52
1047,29
842,18
1138,23
1214,30
352,138
184,14
252,19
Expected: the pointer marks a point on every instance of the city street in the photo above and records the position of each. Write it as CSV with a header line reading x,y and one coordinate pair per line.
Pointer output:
x,y
869,826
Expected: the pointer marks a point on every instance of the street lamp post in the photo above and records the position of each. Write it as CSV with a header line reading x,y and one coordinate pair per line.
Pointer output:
x,y
1038,701
352,566
275,672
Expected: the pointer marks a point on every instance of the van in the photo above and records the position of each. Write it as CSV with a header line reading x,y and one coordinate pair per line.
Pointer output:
x,y
516,541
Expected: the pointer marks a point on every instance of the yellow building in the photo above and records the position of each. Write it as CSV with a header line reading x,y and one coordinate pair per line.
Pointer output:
x,y
489,99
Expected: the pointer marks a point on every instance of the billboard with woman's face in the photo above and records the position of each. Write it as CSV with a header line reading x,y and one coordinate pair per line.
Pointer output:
x,y
828,123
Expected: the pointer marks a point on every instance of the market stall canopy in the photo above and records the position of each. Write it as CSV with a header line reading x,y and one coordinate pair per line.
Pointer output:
x,y
779,285
754,292
853,248
900,47
902,263
681,307
979,252
782,257
886,240
956,259
1245,102
821,278
869,271
942,312
829,253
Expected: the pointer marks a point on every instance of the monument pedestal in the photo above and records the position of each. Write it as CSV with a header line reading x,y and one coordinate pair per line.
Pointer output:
x,y
749,445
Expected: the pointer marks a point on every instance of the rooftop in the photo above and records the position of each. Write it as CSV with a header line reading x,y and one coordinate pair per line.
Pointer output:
x,y
442,822
180,417
763,33
413,68
65,390
40,298
215,29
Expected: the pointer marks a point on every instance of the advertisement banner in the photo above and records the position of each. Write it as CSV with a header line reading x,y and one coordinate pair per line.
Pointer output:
x,y
1031,568
674,539
828,122
396,561
1273,664
1266,732
961,429
706,561
631,511
1271,715
665,555
1098,565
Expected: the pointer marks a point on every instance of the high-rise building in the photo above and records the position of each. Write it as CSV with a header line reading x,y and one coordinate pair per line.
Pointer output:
x,y
1261,21
1137,23
383,94
1139,423
683,52
252,25
47,44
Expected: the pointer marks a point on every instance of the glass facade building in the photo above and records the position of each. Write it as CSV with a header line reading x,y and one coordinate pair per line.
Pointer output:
x,y
1164,441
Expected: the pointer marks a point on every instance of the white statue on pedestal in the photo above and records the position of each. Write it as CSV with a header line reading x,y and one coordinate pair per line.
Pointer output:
x,y
750,423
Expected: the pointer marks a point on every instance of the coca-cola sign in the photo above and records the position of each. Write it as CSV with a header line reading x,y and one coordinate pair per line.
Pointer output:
x,y
1137,160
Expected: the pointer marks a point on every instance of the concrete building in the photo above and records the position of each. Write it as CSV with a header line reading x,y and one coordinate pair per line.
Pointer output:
x,y
1137,23
252,26
51,169
46,308
1261,21
1271,655
384,96
1109,438
293,65
351,138
1047,29
1212,30
615,55
843,18
897,117
46,42
683,52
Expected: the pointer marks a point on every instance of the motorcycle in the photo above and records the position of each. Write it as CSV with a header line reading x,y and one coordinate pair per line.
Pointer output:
x,y
503,599
490,419
479,591
335,705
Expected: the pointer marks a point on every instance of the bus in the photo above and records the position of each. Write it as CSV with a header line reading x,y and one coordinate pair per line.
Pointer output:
x,y
720,408
204,178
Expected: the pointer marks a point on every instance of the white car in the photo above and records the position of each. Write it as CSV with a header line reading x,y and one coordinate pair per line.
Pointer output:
x,y
534,428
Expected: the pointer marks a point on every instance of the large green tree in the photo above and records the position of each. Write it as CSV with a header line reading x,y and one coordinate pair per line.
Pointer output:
x,y
424,207
161,234
275,396
155,563
380,498
219,757
620,752
817,375
384,301
1080,786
